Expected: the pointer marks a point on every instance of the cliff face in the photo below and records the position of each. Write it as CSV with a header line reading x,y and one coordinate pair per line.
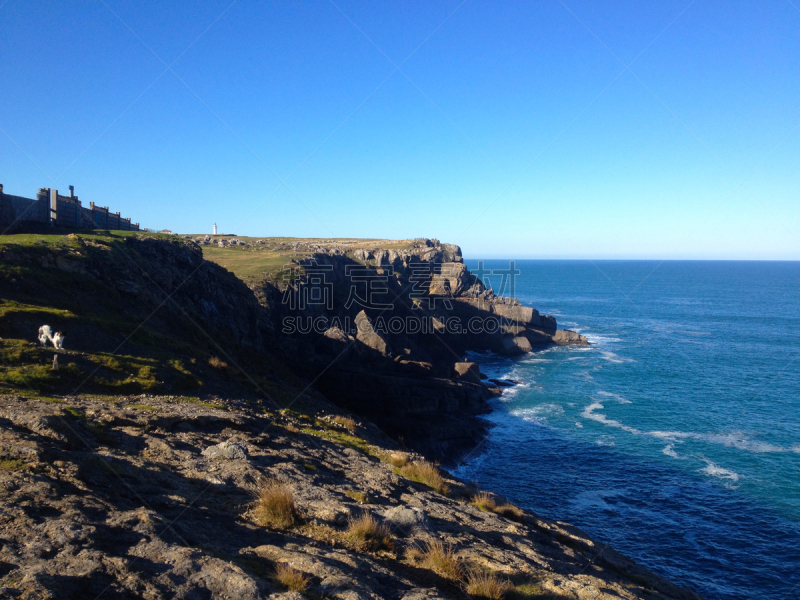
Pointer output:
x,y
380,327
396,322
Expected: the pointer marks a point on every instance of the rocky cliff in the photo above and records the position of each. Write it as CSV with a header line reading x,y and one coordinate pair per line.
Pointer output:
x,y
183,445
383,326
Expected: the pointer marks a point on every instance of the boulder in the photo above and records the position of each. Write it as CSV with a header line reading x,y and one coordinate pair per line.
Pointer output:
x,y
367,335
515,345
228,450
566,336
467,371
404,518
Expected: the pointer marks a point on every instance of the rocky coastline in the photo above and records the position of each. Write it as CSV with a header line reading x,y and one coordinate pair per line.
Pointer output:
x,y
140,460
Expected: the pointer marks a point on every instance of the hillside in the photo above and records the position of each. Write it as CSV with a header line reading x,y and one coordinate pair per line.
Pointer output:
x,y
186,447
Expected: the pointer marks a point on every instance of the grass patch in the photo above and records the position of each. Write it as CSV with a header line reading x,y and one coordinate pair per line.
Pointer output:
x,y
143,407
531,591
359,497
290,578
343,439
346,423
11,465
439,558
487,585
397,459
195,400
427,474
486,502
275,505
366,534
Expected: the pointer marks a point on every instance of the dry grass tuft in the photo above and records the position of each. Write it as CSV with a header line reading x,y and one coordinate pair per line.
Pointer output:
x,y
487,585
397,460
427,474
348,424
509,511
217,363
442,559
275,505
484,501
291,578
414,554
291,428
366,534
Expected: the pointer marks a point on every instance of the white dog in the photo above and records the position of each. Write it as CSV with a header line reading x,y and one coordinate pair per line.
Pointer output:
x,y
46,335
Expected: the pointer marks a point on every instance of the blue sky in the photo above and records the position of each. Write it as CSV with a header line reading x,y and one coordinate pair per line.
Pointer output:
x,y
513,129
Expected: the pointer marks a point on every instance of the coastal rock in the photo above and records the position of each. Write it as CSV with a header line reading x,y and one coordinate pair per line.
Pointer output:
x,y
467,371
516,345
450,281
337,335
566,336
367,335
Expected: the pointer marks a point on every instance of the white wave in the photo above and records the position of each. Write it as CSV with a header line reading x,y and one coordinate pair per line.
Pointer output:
x,y
598,338
538,413
614,358
669,450
714,470
735,439
579,424
605,440
617,397
590,412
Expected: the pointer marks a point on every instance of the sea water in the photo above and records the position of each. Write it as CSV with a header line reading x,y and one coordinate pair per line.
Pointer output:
x,y
674,436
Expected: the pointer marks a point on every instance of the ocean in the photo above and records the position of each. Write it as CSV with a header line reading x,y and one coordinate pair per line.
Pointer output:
x,y
675,436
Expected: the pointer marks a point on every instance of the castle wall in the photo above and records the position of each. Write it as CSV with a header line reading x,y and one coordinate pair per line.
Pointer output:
x,y
58,210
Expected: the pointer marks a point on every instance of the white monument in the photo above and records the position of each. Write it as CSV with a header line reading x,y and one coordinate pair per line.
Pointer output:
x,y
215,229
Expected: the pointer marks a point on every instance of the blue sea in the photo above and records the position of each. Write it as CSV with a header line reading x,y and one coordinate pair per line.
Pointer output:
x,y
675,436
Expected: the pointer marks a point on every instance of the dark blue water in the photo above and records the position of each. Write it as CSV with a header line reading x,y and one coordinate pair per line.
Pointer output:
x,y
675,436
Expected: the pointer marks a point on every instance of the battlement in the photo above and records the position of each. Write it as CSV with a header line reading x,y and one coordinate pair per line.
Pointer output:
x,y
59,210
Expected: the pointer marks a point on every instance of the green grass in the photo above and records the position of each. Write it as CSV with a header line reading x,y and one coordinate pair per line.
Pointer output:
x,y
11,465
248,264
359,497
143,407
67,240
269,260
427,474
343,439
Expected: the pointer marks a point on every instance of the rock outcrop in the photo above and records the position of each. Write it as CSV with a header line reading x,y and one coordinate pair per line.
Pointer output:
x,y
130,504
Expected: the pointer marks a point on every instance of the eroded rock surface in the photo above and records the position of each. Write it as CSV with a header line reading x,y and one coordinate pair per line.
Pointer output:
x,y
153,498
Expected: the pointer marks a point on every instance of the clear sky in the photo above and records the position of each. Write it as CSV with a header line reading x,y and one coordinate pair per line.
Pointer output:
x,y
515,129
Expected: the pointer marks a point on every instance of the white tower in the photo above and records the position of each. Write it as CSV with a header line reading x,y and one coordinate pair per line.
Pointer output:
x,y
215,229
